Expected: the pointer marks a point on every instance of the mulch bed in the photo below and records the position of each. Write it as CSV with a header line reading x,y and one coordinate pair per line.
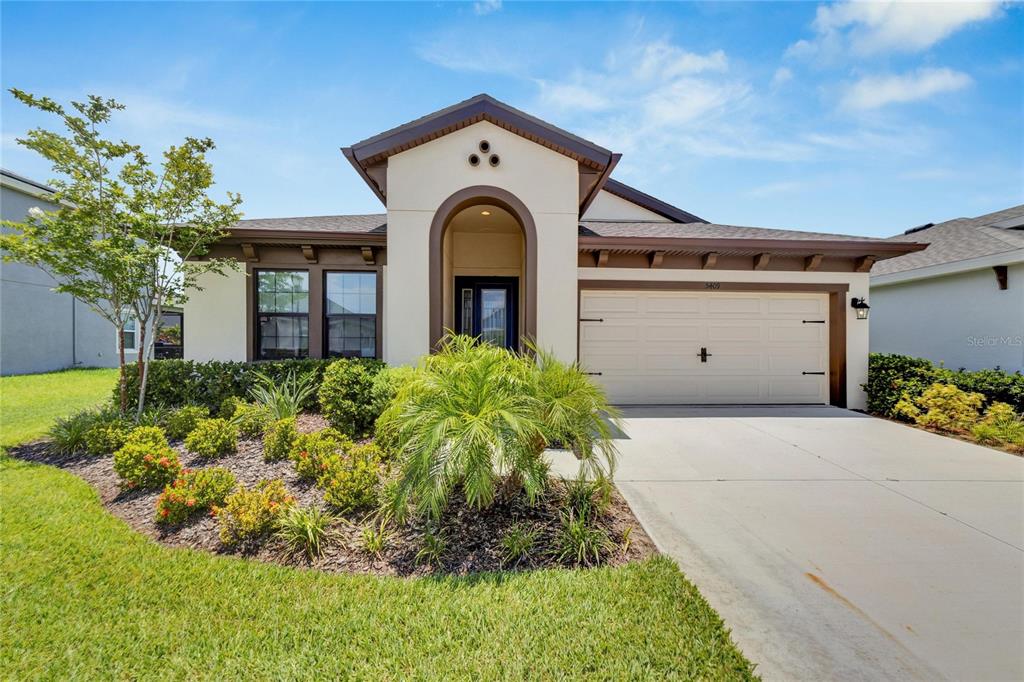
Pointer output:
x,y
472,536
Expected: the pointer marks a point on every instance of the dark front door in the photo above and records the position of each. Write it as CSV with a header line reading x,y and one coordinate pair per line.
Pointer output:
x,y
488,307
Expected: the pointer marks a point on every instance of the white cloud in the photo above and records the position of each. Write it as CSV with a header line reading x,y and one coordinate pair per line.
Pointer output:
x,y
865,28
782,76
486,6
872,92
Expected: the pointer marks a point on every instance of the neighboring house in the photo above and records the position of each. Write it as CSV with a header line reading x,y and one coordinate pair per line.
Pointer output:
x,y
501,225
42,330
960,302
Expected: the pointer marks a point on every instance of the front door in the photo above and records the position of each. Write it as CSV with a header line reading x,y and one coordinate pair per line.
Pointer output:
x,y
487,307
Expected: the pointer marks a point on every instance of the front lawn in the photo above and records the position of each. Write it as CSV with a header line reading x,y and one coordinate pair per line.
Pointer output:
x,y
30,403
84,596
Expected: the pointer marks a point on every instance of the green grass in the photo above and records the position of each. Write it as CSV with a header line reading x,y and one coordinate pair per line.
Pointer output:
x,y
30,403
84,596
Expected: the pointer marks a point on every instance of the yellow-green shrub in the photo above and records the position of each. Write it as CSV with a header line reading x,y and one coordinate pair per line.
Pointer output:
x,y
279,438
213,437
183,420
351,481
944,407
309,450
249,514
146,465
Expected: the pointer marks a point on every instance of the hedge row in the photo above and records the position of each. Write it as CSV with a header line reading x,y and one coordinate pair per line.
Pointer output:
x,y
173,383
892,377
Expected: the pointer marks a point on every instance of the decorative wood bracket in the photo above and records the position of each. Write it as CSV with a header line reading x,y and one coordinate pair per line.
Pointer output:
x,y
250,254
864,264
709,260
1001,277
368,256
761,261
602,258
655,258
309,253
812,262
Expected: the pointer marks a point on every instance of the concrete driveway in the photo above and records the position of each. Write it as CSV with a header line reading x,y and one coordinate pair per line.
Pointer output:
x,y
835,545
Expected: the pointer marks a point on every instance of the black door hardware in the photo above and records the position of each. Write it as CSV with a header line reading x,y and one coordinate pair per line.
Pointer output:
x,y
813,321
704,354
591,319
593,374
819,373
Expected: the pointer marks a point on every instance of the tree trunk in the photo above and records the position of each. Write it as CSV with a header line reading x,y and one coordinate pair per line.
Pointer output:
x,y
141,360
123,371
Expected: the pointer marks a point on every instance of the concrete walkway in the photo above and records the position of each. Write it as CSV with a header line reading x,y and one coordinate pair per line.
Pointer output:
x,y
834,545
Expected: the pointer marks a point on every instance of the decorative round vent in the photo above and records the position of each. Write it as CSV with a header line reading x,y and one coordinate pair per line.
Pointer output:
x,y
495,160
485,146
474,160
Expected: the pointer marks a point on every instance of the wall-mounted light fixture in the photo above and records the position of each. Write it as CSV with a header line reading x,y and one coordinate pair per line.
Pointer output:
x,y
861,307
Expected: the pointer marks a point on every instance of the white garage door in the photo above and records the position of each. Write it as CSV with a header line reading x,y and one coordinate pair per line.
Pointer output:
x,y
645,346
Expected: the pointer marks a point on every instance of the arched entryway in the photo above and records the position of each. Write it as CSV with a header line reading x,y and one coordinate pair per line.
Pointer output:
x,y
472,236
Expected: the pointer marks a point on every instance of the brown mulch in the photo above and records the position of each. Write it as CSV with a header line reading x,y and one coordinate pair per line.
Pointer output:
x,y
472,537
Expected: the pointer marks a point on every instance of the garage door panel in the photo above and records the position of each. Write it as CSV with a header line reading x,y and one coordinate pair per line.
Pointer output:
x,y
672,304
646,349
788,332
731,304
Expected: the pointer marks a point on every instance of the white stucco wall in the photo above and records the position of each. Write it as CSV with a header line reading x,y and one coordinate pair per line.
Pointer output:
x,y
420,179
215,318
857,334
962,320
607,206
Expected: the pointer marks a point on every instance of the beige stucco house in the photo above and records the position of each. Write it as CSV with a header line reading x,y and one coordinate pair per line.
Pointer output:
x,y
501,225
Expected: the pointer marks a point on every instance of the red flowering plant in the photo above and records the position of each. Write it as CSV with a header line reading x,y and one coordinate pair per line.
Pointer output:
x,y
194,491
310,451
145,460
248,515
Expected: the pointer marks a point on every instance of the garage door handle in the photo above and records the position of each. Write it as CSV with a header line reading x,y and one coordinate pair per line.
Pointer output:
x,y
813,321
593,374
819,373
591,319
704,355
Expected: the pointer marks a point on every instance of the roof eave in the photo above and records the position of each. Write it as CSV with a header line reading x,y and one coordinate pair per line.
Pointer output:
x,y
350,155
879,250
652,204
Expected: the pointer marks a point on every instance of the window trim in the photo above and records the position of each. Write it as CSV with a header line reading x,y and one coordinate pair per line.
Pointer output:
x,y
378,296
255,308
134,348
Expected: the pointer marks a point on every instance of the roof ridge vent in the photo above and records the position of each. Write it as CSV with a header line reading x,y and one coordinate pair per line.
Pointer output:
x,y
919,228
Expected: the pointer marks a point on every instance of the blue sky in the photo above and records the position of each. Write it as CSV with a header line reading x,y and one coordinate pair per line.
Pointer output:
x,y
856,118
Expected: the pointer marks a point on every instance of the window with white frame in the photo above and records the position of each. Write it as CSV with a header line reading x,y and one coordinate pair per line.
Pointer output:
x,y
130,335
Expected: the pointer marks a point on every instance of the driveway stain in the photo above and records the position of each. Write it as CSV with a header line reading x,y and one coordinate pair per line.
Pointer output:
x,y
820,582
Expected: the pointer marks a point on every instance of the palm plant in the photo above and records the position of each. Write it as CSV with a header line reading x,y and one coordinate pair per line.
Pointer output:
x,y
468,418
576,413
283,398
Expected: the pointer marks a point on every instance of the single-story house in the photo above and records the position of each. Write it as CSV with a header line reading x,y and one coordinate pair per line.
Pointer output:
x,y
960,302
504,226
42,330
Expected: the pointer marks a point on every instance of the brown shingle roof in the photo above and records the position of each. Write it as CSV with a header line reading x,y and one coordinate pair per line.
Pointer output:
x,y
957,240
607,228
371,223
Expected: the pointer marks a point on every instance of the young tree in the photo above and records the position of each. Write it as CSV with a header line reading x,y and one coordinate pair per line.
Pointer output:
x,y
123,237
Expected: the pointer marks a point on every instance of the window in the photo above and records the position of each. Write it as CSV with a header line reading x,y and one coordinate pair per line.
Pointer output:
x,y
130,334
282,314
350,312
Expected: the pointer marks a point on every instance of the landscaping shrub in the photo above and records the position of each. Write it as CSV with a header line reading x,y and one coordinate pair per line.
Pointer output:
x,y
146,463
249,514
942,406
375,538
1001,426
305,530
251,419
68,435
147,435
187,382
351,481
580,542
346,396
279,439
284,397
476,416
309,450
106,435
192,492
517,543
156,415
184,420
587,498
229,406
212,437
893,377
